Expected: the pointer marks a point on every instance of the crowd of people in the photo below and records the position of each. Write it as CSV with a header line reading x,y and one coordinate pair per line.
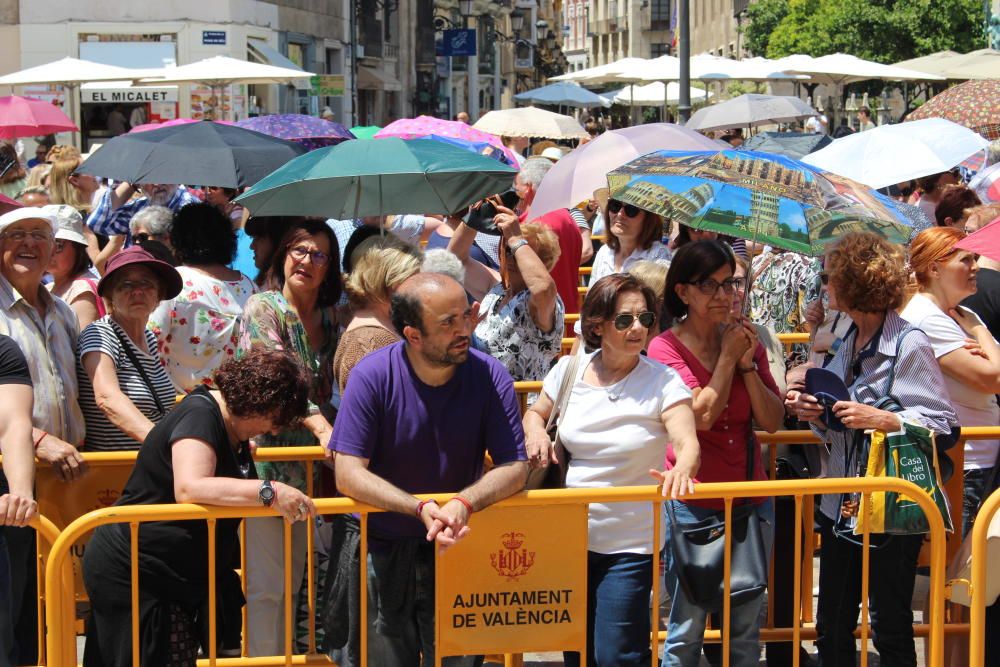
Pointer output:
x,y
167,320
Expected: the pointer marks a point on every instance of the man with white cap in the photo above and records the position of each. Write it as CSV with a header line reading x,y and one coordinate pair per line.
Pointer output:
x,y
45,329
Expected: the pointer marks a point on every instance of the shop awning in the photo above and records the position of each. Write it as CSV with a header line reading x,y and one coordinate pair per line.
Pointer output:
x,y
373,79
270,56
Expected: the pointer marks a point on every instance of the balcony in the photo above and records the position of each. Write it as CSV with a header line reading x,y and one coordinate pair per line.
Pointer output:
x,y
608,26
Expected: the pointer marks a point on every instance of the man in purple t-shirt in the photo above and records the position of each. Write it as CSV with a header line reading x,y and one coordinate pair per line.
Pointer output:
x,y
417,417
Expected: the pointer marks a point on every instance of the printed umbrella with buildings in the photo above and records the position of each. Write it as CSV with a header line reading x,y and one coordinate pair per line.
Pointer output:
x,y
769,198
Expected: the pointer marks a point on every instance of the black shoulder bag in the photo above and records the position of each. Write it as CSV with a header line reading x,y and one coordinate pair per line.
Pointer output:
x,y
138,367
699,551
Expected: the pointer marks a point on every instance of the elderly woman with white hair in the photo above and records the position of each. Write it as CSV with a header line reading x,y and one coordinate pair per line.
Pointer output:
x,y
152,223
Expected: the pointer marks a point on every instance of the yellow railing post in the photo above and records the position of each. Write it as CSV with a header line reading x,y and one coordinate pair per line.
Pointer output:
x,y
977,612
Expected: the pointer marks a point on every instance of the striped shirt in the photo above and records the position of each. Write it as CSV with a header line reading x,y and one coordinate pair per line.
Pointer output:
x,y
112,221
100,336
918,387
49,344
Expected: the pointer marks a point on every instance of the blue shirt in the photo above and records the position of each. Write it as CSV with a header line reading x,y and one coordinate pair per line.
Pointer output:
x,y
426,439
244,262
114,222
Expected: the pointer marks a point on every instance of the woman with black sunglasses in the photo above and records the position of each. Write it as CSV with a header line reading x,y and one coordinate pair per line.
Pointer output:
x,y
718,356
633,235
621,410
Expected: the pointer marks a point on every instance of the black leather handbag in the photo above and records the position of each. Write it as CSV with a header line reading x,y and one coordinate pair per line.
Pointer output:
x,y
698,549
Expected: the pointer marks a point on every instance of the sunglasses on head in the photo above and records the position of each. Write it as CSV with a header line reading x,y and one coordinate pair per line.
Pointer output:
x,y
614,206
624,321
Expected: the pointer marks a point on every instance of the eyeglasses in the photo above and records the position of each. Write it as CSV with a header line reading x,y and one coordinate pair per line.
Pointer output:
x,y
18,235
614,206
130,285
60,245
709,286
824,277
300,252
624,321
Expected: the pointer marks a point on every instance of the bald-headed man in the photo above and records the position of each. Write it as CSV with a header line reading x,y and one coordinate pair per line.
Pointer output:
x,y
418,417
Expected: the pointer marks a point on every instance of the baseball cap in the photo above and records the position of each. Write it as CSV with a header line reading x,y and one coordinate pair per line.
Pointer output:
x,y
828,388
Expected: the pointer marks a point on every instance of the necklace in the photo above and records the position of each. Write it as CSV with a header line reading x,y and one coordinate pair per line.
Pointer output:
x,y
613,396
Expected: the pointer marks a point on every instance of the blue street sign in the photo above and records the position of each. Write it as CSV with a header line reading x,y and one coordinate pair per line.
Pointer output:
x,y
458,43
213,37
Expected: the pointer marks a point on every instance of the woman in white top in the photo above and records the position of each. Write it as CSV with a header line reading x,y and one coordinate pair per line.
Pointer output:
x,y
622,410
633,235
197,330
945,276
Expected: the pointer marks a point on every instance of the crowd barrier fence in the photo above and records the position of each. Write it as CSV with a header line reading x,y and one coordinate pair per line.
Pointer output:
x,y
978,574
61,639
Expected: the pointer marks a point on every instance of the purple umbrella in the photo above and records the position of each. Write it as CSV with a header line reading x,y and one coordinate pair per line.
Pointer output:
x,y
307,131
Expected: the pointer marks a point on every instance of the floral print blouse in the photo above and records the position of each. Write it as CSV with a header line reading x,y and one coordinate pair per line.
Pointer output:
x,y
197,330
510,336
270,321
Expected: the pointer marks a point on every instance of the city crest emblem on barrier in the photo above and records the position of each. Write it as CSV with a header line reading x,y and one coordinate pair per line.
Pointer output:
x,y
512,561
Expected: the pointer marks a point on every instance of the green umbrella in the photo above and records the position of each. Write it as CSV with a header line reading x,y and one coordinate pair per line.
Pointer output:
x,y
365,131
380,177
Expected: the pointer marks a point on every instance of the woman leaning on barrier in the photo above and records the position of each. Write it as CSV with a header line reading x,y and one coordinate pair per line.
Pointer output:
x,y
621,410
199,453
865,278
718,356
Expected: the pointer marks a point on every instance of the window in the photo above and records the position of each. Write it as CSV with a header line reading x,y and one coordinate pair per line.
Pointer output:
x,y
657,50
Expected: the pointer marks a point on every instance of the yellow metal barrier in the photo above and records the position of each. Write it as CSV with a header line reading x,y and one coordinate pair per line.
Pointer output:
x,y
977,614
62,642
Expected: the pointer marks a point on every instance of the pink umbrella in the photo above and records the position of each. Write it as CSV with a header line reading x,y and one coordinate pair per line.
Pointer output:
x,y
422,126
985,241
575,177
170,123
7,204
30,117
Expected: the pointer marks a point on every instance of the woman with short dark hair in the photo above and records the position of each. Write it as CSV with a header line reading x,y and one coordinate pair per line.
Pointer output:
x,y
72,280
633,234
622,410
296,313
196,329
954,205
198,454
719,358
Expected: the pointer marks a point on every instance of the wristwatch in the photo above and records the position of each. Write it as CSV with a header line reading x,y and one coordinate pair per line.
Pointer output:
x,y
266,493
752,369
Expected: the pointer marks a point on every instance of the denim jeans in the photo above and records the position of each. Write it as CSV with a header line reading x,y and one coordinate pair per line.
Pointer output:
x,y
973,490
404,635
686,625
892,569
618,589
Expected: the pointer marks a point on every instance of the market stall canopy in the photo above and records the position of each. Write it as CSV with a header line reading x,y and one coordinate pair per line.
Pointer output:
x,y
69,72
890,154
222,71
934,63
562,93
981,64
750,110
657,93
600,74
841,68
530,122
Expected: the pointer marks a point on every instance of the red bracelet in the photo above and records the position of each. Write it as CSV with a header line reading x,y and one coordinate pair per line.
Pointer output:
x,y
465,502
420,506
40,438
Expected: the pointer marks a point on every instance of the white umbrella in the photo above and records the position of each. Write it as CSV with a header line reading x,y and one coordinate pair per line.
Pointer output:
x,y
839,68
934,63
705,67
981,64
69,73
750,110
890,154
654,94
530,122
599,74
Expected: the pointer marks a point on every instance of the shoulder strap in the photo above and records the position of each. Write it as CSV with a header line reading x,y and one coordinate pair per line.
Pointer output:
x,y
887,393
138,367
565,388
99,302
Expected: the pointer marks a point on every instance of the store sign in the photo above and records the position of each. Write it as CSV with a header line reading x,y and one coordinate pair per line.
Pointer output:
x,y
213,37
458,43
326,85
516,583
128,95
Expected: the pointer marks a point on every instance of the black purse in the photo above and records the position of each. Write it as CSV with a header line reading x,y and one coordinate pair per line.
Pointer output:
x,y
698,549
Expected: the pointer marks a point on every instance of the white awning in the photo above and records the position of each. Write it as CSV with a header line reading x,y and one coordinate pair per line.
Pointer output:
x,y
374,79
270,56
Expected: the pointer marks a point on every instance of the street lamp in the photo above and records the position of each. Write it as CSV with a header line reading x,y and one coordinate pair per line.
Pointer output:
x,y
517,21
472,67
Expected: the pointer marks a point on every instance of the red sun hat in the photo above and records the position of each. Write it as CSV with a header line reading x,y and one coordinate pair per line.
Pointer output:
x,y
170,279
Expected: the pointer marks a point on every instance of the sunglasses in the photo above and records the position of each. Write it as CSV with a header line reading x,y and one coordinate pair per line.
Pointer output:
x,y
614,206
710,286
624,321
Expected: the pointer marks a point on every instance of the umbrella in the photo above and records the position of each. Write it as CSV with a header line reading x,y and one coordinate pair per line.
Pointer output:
x,y
934,63
7,204
365,131
979,64
790,144
984,241
422,126
704,67
750,110
562,93
483,148
838,69
384,177
890,154
531,122
769,198
29,117
599,74
308,131
655,94
145,127
574,178
201,153
974,104
987,184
